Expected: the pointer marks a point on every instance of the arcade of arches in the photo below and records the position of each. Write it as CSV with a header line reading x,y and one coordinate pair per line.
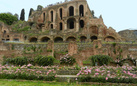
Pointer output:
x,y
71,38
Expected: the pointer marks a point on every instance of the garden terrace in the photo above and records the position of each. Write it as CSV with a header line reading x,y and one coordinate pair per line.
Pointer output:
x,y
104,74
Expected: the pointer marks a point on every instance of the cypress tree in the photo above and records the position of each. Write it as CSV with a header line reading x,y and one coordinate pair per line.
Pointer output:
x,y
22,15
30,12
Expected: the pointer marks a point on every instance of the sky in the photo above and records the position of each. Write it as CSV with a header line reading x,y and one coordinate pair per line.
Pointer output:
x,y
118,14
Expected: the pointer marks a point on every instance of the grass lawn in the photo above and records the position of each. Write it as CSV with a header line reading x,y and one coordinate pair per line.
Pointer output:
x,y
4,82
10,82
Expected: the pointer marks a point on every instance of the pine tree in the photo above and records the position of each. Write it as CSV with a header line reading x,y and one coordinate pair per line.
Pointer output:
x,y
22,15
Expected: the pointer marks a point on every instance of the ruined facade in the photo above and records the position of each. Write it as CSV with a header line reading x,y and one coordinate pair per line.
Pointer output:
x,y
62,22
70,21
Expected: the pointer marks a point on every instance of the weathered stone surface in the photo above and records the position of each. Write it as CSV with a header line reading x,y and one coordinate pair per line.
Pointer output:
x,y
129,35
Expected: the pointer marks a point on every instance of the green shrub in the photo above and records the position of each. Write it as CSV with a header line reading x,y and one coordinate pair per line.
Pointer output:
x,y
39,60
101,59
44,60
17,61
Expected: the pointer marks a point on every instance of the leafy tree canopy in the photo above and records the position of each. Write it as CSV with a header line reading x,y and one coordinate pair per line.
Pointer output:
x,y
8,18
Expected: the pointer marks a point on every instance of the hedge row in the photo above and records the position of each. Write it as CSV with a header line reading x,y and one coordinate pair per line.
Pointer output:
x,y
38,60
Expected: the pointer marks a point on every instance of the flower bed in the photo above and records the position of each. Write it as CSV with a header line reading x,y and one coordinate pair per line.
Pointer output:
x,y
27,72
124,74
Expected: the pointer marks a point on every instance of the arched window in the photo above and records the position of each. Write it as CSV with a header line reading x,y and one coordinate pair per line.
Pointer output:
x,y
81,10
109,39
83,39
33,39
43,17
81,23
45,39
58,39
60,25
71,11
51,26
93,38
71,23
51,16
71,39
60,13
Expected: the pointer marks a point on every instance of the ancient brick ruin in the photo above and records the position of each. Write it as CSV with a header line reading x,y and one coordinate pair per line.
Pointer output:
x,y
68,22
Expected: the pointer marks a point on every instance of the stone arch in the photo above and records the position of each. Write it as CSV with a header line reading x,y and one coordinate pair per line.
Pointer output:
x,y
51,13
109,38
58,39
33,39
45,39
93,38
71,11
61,12
81,23
83,38
70,38
71,23
81,10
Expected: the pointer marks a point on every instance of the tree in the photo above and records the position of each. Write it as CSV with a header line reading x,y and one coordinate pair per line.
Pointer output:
x,y
39,8
30,12
22,15
16,15
8,18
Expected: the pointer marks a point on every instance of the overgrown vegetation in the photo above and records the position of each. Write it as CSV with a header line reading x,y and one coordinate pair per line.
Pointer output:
x,y
38,60
32,49
18,26
101,59
8,18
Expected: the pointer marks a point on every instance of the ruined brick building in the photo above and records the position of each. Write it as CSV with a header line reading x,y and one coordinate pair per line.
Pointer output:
x,y
62,22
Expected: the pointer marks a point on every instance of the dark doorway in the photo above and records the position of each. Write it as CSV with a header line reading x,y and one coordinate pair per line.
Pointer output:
x,y
25,37
71,11
83,39
43,17
60,13
81,10
4,31
51,26
33,39
58,39
45,39
93,38
51,16
81,23
61,27
71,23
